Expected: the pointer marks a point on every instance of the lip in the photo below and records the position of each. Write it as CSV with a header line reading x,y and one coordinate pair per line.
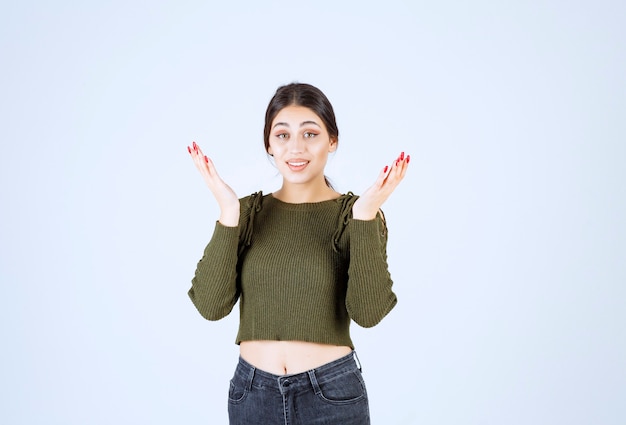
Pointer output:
x,y
297,164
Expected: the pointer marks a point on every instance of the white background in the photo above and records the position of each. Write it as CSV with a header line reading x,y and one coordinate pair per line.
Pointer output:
x,y
507,237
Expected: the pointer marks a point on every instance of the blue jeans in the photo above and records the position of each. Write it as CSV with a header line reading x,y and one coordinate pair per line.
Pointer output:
x,y
330,394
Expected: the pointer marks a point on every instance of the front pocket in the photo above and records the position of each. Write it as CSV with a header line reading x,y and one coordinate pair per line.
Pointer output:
x,y
236,392
347,388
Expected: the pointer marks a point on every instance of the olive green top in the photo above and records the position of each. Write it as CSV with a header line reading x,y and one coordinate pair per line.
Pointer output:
x,y
299,271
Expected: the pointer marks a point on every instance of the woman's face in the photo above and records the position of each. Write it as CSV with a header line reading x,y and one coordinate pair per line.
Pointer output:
x,y
300,144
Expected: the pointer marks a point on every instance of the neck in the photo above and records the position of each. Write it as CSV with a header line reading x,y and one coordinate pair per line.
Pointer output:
x,y
300,193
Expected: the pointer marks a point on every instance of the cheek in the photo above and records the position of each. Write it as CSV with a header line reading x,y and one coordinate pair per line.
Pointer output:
x,y
273,148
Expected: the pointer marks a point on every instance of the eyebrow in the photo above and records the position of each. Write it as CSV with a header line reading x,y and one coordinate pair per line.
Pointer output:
x,y
302,124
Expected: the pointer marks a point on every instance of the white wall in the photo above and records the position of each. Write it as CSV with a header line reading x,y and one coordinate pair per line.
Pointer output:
x,y
507,238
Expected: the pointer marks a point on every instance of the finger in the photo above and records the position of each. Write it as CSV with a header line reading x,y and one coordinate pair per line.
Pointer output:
x,y
402,163
382,176
200,160
200,156
206,163
194,156
398,161
400,170
200,163
198,150
405,166
395,168
396,173
193,150
210,166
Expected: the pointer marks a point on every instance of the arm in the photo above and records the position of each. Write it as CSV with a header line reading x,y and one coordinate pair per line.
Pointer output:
x,y
369,296
214,289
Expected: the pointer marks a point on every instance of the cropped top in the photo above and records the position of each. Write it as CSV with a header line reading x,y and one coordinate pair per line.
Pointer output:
x,y
300,271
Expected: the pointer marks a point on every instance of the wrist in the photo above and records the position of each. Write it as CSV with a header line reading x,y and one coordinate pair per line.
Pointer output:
x,y
229,217
363,213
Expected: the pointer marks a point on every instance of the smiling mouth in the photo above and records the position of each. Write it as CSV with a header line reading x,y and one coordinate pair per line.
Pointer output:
x,y
297,165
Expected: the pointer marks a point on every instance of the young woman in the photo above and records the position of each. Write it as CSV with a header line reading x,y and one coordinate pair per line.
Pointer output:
x,y
303,262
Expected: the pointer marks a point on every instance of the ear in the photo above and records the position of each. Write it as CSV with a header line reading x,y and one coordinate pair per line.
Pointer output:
x,y
269,151
332,147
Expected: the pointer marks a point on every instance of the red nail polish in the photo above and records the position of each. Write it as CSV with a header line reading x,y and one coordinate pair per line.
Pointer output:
x,y
408,158
401,156
385,170
189,149
206,159
195,147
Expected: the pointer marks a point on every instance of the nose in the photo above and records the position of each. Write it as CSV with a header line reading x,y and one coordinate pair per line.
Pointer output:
x,y
297,145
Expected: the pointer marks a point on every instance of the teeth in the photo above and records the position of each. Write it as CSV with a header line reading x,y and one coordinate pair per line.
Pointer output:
x,y
297,164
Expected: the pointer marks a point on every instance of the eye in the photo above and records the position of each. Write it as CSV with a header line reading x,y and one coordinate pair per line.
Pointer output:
x,y
282,136
309,135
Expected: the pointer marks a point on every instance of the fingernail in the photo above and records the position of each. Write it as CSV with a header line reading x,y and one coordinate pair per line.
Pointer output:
x,y
408,158
206,159
189,149
396,162
385,170
195,147
401,156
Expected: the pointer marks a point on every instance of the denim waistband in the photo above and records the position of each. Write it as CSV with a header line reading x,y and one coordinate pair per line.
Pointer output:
x,y
327,372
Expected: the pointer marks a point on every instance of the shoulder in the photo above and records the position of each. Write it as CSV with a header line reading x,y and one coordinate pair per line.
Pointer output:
x,y
249,206
347,200
252,196
350,198
252,201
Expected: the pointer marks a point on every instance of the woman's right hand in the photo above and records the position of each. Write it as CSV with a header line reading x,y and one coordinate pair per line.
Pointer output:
x,y
224,195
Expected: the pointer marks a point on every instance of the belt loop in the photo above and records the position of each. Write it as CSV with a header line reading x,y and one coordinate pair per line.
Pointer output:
x,y
250,378
358,362
313,379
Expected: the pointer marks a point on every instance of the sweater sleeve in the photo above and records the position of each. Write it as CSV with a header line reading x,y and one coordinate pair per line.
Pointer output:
x,y
214,289
369,296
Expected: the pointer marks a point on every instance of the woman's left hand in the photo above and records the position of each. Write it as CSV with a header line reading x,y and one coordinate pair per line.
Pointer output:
x,y
368,204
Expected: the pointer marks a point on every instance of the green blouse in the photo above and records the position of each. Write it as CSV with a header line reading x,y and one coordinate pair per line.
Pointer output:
x,y
299,271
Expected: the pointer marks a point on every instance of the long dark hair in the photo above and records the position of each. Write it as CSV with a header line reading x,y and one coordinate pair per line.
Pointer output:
x,y
300,94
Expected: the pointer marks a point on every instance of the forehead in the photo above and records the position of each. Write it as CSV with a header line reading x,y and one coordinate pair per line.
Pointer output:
x,y
295,115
